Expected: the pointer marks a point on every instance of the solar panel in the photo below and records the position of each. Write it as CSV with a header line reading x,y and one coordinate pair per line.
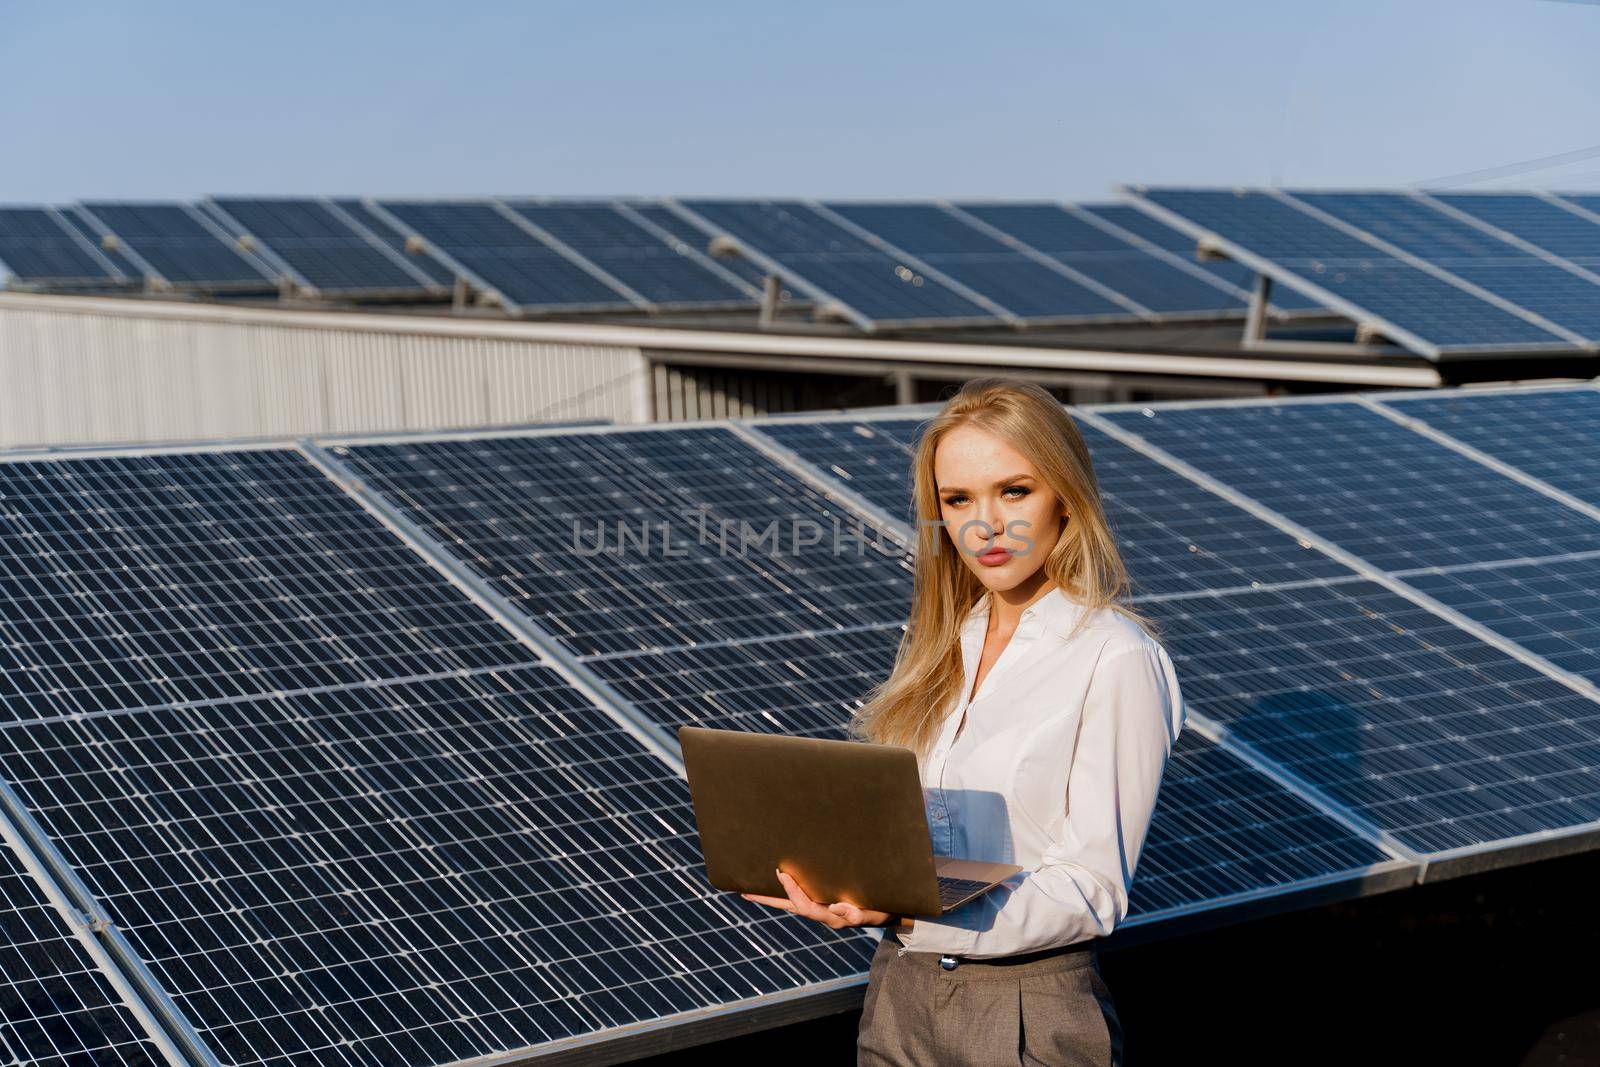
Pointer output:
x,y
1552,434
315,241
1540,220
1565,297
341,814
366,219
1415,725
1022,285
1106,258
625,541
57,1007
638,258
107,248
827,259
1418,308
181,246
38,245
504,257
1223,829
692,236
1174,535
1391,496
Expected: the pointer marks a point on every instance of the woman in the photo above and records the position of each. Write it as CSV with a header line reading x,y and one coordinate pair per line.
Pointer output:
x,y
1042,712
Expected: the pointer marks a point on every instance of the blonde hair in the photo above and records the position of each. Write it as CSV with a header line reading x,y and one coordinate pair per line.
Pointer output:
x,y
907,708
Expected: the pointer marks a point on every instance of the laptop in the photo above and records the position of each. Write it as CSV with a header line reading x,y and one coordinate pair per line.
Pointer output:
x,y
845,818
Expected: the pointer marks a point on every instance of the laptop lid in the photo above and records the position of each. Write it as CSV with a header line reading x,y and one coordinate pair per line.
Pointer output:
x,y
845,818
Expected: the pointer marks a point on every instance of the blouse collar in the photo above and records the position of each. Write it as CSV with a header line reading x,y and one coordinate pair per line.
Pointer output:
x,y
1055,611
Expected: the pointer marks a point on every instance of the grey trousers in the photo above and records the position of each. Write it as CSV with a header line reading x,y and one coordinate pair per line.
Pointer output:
x,y
1052,1009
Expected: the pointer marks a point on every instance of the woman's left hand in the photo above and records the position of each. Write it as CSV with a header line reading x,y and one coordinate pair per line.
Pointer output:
x,y
839,916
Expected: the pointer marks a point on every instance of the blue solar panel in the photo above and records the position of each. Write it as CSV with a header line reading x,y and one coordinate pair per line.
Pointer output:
x,y
1132,221
179,245
1552,434
1414,725
632,254
1536,219
826,257
692,236
636,540
1175,536
1222,828
1021,285
1504,269
315,241
1301,249
38,245
506,257
57,1008
108,248
380,228
1371,486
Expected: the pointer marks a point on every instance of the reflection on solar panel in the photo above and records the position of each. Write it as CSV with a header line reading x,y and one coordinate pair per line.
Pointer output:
x,y
692,236
343,816
1419,303
180,245
1024,286
1373,487
37,245
633,255
1093,252
501,256
1174,535
366,219
1134,225
1552,434
571,528
829,260
316,242
57,1008
1222,829
1417,726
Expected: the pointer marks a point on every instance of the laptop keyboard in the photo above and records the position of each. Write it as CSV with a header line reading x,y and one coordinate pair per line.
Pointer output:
x,y
954,890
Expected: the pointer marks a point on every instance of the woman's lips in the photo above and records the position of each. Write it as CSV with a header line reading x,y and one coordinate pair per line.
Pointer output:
x,y
994,557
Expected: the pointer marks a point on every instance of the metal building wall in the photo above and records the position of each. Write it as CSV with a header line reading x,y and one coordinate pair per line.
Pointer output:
x,y
86,372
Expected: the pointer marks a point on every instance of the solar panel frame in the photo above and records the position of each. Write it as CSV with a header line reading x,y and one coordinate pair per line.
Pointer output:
x,y
1269,267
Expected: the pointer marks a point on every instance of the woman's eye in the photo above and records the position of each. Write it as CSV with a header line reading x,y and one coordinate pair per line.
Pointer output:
x,y
1019,489
952,501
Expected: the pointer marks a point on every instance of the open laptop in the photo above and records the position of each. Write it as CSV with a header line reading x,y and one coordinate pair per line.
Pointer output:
x,y
845,818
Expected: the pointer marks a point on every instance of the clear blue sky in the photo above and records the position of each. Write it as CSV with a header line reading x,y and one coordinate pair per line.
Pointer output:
x,y
1057,100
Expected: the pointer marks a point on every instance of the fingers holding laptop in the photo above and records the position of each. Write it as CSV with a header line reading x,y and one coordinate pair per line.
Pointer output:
x,y
838,916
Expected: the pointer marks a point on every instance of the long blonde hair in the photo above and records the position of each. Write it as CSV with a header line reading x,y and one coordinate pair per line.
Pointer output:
x,y
907,708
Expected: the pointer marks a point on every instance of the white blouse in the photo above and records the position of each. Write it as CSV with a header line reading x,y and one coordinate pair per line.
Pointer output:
x,y
1057,770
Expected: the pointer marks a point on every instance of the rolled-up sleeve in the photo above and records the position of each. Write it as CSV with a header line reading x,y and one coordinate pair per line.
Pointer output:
x,y
1132,714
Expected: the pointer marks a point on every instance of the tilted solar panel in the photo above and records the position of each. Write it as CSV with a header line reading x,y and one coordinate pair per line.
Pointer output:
x,y
826,258
1420,308
316,242
1547,222
504,257
658,271
38,245
179,244
1021,285
1096,253
692,236
58,1008
366,219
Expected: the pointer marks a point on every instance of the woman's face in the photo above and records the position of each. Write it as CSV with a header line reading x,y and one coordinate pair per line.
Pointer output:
x,y
1000,517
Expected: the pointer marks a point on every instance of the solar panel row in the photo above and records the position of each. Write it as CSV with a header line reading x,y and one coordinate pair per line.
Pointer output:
x,y
1437,272
347,817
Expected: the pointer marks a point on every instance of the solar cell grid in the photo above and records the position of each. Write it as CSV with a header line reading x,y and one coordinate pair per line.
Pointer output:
x,y
1373,487
57,1008
1415,725
1536,219
691,236
410,873
714,534
380,228
317,243
1553,435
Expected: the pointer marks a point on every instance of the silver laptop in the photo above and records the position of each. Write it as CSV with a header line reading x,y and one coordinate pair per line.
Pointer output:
x,y
844,818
